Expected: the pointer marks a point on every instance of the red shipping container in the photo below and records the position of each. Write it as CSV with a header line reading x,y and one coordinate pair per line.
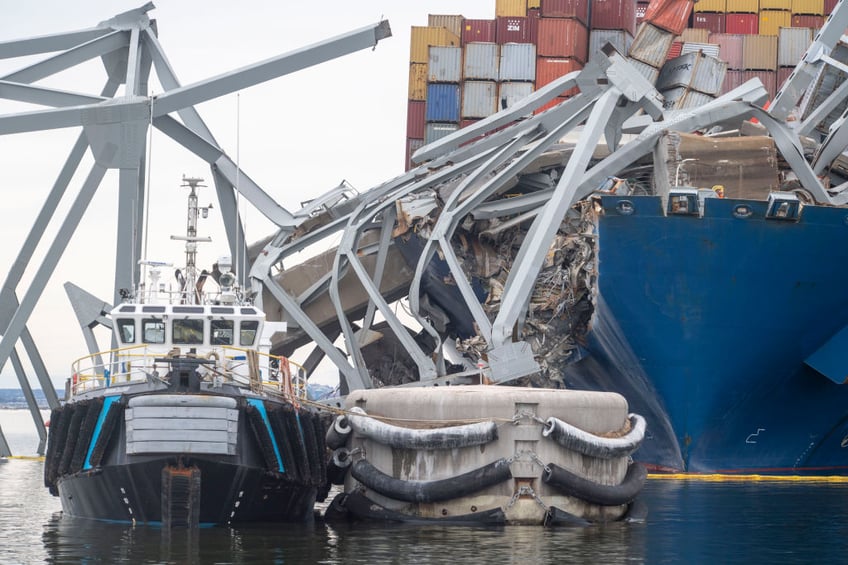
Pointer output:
x,y
732,79
676,48
670,15
548,69
415,112
641,8
783,74
829,5
705,20
563,38
615,14
730,48
800,20
578,9
748,24
478,30
516,30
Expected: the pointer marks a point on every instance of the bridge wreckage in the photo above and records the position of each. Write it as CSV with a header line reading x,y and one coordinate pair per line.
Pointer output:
x,y
578,247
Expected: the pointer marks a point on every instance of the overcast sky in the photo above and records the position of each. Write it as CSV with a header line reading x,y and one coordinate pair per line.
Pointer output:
x,y
297,136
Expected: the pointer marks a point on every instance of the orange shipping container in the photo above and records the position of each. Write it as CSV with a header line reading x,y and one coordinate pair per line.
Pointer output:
x,y
670,15
454,24
422,38
810,7
772,20
718,6
510,8
743,6
418,81
548,69
759,52
775,4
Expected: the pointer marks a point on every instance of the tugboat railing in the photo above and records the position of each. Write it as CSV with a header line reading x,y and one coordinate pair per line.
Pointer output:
x,y
138,364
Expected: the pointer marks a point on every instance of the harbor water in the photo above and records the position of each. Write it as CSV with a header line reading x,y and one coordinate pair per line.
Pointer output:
x,y
688,521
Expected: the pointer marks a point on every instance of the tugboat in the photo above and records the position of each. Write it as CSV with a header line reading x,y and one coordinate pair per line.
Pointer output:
x,y
188,419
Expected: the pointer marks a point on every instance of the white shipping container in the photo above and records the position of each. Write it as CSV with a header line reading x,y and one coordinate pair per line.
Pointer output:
x,y
518,62
437,131
646,70
445,65
512,92
792,43
479,98
651,45
710,49
682,98
695,71
481,61
619,39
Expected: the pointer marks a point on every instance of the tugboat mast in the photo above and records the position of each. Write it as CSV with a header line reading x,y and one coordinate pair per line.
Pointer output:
x,y
189,285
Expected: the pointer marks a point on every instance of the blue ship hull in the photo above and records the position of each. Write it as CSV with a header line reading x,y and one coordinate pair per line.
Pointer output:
x,y
709,326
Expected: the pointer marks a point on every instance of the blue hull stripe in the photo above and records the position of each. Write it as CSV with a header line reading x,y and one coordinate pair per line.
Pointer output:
x,y
260,406
107,403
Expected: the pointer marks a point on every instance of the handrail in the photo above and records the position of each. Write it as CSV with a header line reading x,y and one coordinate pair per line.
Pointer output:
x,y
127,365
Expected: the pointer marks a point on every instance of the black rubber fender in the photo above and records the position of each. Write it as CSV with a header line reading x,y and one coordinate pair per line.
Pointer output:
x,y
107,433
59,420
338,432
431,491
605,495
86,431
575,439
77,415
450,437
263,438
355,506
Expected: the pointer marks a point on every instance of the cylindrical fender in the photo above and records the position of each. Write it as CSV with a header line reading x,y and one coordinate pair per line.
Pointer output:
x,y
338,433
451,437
575,439
606,495
431,491
341,458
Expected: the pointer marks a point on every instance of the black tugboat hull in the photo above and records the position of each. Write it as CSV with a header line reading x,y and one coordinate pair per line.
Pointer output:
x,y
225,493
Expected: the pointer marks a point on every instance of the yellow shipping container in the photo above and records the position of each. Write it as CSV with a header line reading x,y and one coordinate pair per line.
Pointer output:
x,y
511,8
534,4
418,81
772,20
423,37
813,7
742,6
454,24
712,5
698,35
776,4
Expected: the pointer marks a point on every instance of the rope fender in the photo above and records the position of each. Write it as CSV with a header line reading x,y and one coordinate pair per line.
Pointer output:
x,y
431,491
449,437
605,495
575,439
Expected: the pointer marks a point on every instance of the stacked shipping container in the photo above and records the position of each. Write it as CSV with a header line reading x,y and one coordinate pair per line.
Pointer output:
x,y
462,70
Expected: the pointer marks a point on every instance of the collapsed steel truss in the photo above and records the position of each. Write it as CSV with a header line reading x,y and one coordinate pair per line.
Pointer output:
x,y
482,161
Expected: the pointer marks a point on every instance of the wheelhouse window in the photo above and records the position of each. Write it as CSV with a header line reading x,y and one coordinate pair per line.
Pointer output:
x,y
126,330
247,335
222,332
153,330
188,332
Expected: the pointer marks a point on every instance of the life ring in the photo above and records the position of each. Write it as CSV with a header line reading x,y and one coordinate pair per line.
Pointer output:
x,y
213,355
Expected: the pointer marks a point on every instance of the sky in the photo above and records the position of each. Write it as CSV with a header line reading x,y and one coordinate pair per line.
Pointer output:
x,y
297,136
